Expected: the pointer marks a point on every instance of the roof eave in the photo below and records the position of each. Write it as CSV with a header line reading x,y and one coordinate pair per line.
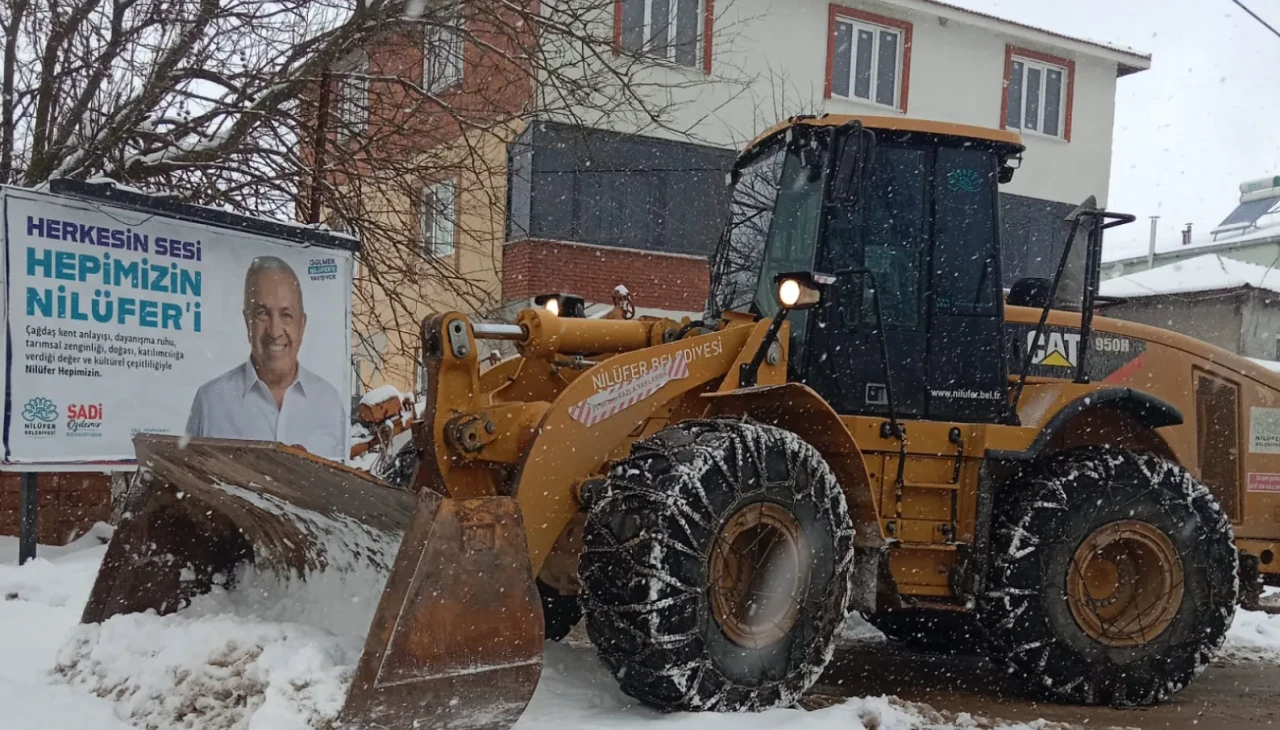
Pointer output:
x,y
1124,69
1127,61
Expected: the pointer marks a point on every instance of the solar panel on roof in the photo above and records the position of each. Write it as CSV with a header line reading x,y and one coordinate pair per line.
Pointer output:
x,y
1246,214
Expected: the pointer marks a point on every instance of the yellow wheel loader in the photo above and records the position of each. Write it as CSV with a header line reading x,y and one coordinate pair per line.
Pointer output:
x,y
866,422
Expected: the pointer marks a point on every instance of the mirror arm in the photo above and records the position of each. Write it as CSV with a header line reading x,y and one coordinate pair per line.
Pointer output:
x,y
1011,413
748,372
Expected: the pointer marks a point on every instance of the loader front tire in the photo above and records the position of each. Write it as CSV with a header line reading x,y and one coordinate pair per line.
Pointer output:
x,y
1113,577
717,566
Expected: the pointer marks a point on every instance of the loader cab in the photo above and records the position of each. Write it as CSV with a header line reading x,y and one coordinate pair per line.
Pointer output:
x,y
903,208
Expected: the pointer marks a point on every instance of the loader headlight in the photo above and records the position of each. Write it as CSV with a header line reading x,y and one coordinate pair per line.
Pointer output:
x,y
798,291
562,305
789,292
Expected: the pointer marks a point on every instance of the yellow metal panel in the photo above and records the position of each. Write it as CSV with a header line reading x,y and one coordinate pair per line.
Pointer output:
x,y
918,530
899,124
1263,550
911,568
567,449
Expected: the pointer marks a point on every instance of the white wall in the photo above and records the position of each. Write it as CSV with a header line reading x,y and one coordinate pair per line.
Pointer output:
x,y
770,60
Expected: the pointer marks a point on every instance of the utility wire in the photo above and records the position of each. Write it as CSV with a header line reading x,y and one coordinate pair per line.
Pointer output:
x,y
1256,17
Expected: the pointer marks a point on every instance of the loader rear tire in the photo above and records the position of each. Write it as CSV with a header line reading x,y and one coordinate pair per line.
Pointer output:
x,y
1113,578
717,567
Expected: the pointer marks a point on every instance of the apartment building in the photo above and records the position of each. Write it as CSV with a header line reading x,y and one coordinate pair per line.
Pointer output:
x,y
592,196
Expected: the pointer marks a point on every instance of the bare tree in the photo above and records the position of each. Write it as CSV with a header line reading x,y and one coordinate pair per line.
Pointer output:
x,y
386,119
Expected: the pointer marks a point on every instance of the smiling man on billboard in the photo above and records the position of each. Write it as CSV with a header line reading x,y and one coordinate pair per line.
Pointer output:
x,y
272,397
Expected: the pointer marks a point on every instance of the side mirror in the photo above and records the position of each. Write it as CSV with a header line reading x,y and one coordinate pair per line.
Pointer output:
x,y
801,290
1007,167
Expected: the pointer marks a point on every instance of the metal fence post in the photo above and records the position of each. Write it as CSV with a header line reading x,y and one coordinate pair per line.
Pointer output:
x,y
28,518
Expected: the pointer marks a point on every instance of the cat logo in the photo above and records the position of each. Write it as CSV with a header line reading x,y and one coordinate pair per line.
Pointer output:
x,y
1056,349
1058,352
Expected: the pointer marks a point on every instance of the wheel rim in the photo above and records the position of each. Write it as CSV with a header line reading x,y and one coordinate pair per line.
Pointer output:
x,y
1124,584
759,572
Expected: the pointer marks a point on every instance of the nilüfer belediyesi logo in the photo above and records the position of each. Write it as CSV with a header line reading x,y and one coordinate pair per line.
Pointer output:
x,y
39,418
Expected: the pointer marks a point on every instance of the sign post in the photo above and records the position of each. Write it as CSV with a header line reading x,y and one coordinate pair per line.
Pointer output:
x,y
28,518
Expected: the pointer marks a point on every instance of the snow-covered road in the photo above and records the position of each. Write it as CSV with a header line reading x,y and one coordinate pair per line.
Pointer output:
x,y
221,672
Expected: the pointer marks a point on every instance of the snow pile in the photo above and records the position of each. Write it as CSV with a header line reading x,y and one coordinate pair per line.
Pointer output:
x,y
216,672
40,602
275,651
41,581
857,628
1255,635
194,669
341,597
1256,631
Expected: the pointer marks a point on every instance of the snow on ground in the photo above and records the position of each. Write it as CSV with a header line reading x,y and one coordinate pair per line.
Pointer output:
x,y
40,603
1255,635
202,669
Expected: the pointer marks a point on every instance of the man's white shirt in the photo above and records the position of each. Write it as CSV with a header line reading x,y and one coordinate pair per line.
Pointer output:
x,y
237,405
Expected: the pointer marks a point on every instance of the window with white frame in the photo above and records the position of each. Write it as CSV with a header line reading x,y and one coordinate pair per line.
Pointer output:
x,y
442,49
867,61
667,29
1037,96
353,99
437,216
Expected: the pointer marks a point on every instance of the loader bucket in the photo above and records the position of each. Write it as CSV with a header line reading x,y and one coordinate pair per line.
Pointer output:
x,y
454,638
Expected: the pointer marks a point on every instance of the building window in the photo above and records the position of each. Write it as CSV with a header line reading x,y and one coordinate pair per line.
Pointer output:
x,y
868,58
357,380
1038,93
437,216
339,224
442,50
603,189
353,99
678,31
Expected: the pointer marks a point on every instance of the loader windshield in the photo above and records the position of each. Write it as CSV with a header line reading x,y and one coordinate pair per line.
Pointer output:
x,y
773,224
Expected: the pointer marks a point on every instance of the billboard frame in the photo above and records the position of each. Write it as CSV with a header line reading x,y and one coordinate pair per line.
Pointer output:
x,y
106,192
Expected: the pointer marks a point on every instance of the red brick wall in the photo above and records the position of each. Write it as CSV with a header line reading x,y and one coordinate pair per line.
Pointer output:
x,y
69,504
495,88
654,280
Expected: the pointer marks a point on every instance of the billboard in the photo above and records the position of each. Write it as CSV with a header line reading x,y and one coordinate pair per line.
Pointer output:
x,y
163,318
